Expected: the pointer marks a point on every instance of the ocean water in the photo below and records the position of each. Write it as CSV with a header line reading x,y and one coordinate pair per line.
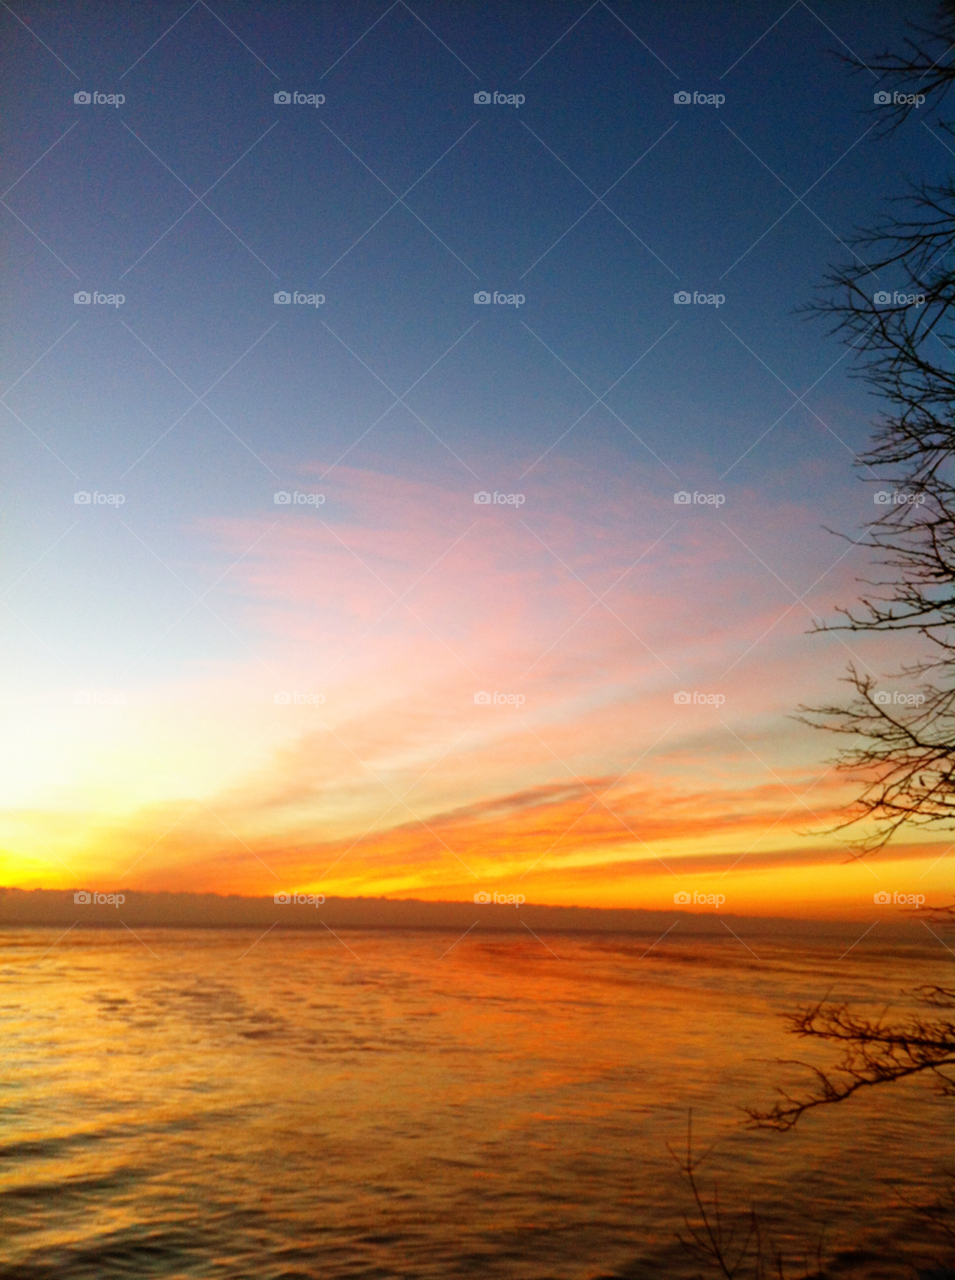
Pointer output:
x,y
196,1103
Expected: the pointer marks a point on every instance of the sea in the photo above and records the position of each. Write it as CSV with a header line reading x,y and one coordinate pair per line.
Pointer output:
x,y
217,1103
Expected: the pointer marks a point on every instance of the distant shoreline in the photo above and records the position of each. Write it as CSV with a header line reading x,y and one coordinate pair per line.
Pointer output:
x,y
32,907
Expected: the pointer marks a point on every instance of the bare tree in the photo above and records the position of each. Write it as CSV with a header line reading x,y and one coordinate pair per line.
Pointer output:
x,y
893,303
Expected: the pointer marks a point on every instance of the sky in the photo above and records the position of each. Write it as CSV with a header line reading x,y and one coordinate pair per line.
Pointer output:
x,y
390,590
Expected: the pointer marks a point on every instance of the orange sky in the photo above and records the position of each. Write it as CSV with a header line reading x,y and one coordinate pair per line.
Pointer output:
x,y
385,776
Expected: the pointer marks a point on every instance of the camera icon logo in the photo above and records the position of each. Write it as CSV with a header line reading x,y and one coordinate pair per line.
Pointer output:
x,y
881,98
482,97
482,498
282,298
82,898
482,298
681,898
882,698
282,899
82,499
481,897
881,898
682,298
82,98
681,699
682,97
882,298
482,699
283,699
82,298
282,96
882,498
682,499
282,498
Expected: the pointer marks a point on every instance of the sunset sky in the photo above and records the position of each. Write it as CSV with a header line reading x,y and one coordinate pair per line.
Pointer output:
x,y
208,690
